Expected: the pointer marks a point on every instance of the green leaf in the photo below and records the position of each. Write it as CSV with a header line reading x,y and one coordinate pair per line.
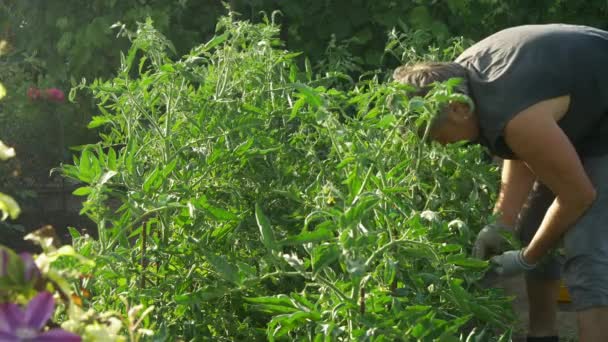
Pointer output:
x,y
278,304
390,271
225,269
296,107
416,103
294,261
289,56
273,309
267,235
323,256
288,322
221,231
167,68
308,93
200,296
302,302
111,159
243,147
168,169
461,260
307,237
386,121
9,207
215,41
82,191
129,154
73,232
221,214
130,57
152,180
86,171
280,299
293,73
251,108
418,308
98,121
2,91
374,112
106,177
417,252
361,208
69,251
308,69
11,269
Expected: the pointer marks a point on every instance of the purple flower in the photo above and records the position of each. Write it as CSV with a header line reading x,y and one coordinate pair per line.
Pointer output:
x,y
25,325
30,270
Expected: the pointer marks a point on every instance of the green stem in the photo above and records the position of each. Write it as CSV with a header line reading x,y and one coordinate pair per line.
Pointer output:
x,y
141,218
391,244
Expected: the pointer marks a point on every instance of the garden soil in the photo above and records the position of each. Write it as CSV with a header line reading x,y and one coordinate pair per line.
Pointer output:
x,y
566,320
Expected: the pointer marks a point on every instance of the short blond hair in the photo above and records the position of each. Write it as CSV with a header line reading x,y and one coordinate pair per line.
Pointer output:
x,y
422,75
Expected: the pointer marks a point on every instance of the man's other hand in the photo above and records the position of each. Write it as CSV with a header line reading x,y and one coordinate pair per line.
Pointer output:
x,y
490,241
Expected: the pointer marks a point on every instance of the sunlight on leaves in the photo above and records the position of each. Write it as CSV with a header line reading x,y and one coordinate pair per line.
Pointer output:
x,y
9,207
4,47
6,152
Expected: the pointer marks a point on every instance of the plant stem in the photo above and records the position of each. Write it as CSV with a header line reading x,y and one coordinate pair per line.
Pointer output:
x,y
144,263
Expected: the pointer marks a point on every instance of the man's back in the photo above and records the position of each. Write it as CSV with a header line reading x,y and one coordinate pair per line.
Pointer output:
x,y
518,67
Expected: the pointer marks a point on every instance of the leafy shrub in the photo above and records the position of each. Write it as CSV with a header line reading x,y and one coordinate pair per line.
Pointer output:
x,y
246,199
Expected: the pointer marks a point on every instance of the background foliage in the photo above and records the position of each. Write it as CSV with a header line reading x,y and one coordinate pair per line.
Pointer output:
x,y
57,43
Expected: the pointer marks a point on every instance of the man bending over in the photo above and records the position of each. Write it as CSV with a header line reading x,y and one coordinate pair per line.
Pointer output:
x,y
540,95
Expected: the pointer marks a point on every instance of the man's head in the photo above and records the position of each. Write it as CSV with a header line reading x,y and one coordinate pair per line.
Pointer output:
x,y
455,122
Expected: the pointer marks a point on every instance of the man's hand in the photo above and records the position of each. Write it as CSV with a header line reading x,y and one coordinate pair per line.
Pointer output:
x,y
511,263
490,241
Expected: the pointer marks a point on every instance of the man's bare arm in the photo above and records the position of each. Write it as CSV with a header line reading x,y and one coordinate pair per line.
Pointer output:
x,y
516,182
537,140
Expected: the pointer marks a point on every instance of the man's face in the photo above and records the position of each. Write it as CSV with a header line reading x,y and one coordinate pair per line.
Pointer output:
x,y
458,124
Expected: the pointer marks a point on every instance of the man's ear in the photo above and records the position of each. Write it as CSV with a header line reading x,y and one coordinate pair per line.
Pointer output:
x,y
459,111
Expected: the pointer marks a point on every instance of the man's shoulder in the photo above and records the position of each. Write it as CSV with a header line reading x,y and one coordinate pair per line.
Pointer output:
x,y
544,37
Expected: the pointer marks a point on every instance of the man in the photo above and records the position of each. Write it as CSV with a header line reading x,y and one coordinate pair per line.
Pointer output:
x,y
541,102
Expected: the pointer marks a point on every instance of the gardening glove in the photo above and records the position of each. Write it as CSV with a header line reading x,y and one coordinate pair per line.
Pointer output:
x,y
511,263
490,241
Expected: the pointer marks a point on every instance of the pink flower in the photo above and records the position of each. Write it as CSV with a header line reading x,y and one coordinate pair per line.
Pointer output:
x,y
54,95
33,93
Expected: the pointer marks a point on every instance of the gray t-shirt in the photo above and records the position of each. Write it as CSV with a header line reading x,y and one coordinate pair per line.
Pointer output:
x,y
515,68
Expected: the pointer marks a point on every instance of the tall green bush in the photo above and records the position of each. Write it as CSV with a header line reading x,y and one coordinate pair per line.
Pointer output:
x,y
246,199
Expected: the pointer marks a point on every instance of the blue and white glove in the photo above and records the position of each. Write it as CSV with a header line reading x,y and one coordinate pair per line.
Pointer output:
x,y
511,263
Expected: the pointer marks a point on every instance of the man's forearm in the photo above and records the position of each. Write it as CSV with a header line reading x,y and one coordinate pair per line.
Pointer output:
x,y
516,182
560,216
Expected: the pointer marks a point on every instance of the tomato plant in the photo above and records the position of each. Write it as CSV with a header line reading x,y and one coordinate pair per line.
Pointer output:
x,y
233,186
